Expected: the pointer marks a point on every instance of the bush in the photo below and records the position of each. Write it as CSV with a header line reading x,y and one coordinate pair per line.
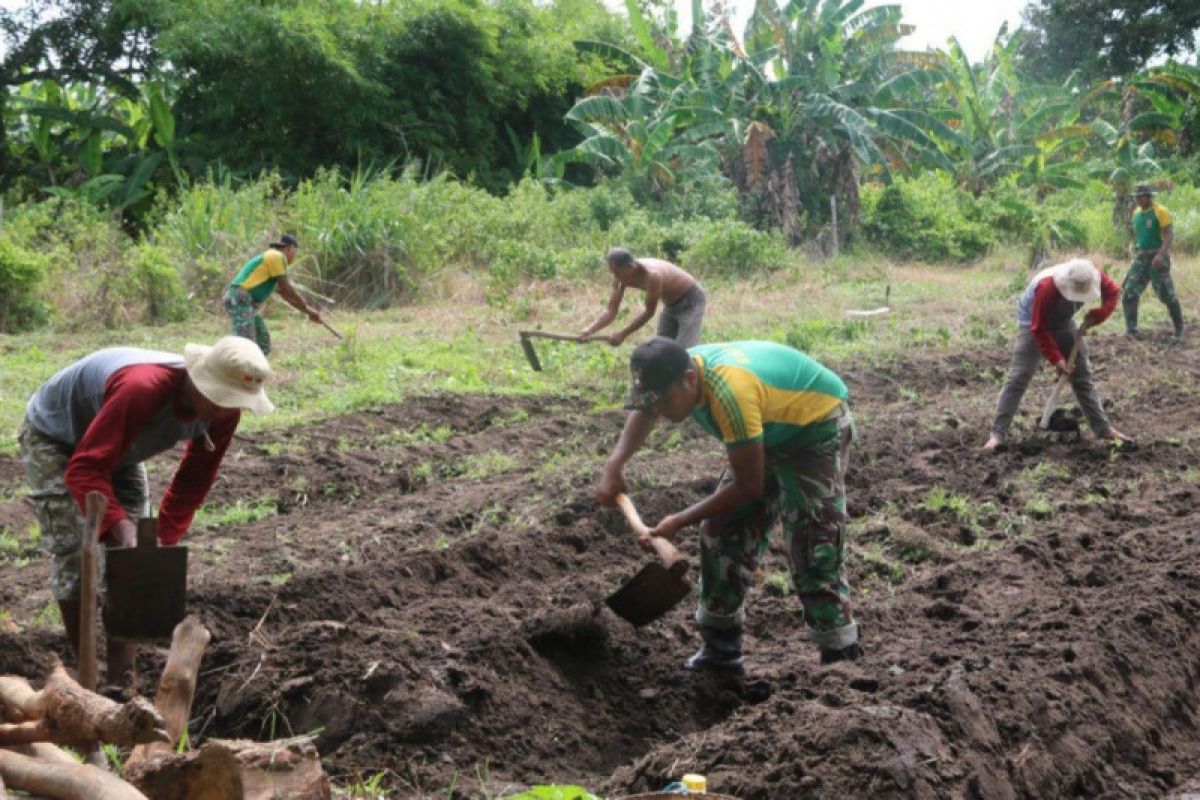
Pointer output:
x,y
926,218
154,276
732,248
21,274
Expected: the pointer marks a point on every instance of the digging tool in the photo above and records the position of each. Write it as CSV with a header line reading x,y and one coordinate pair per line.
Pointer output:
x,y
147,586
95,504
329,328
1061,385
657,588
531,355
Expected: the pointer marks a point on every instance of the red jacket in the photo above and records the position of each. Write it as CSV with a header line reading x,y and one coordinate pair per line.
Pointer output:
x,y
132,397
1046,300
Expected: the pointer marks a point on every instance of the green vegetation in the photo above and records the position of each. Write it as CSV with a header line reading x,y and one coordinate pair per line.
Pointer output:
x,y
240,513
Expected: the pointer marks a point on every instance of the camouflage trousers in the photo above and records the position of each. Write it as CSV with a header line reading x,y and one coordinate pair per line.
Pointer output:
x,y
58,514
247,322
1141,273
806,493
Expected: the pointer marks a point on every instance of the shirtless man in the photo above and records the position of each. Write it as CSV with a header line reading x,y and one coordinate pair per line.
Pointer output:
x,y
682,297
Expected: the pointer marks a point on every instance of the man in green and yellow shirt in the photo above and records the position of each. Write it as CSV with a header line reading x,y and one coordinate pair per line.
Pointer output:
x,y
1153,233
787,428
255,282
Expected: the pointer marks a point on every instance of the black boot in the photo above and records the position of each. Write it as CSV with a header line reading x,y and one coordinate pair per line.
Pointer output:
x,y
721,650
851,653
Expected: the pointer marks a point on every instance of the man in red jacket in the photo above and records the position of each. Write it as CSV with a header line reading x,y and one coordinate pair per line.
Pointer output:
x,y
90,427
1046,320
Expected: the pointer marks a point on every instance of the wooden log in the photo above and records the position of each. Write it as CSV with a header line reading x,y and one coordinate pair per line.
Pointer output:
x,y
18,700
245,770
176,686
66,713
44,751
94,505
63,781
81,716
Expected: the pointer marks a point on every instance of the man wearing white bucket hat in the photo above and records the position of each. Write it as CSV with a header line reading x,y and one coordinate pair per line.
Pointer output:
x,y
1046,320
90,427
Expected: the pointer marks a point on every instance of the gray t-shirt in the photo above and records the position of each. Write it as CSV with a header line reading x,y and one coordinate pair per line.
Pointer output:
x,y
65,405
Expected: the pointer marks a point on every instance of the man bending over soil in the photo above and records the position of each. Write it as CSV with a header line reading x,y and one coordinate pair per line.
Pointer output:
x,y
90,427
1046,320
683,299
787,428
255,282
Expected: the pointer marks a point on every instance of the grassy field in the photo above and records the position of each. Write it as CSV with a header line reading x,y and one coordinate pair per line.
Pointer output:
x,y
455,342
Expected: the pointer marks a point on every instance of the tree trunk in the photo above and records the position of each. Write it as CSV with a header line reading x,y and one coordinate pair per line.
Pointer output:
x,y
62,781
176,686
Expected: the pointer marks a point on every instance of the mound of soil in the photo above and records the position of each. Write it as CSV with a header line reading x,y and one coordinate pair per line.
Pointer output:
x,y
427,594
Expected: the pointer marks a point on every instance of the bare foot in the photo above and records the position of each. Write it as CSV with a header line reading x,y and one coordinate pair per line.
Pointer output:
x,y
1114,435
992,443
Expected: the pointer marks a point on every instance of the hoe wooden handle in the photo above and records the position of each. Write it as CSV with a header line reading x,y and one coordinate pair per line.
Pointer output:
x,y
667,553
562,337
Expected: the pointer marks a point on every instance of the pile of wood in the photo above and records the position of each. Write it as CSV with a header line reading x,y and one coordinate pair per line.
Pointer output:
x,y
33,723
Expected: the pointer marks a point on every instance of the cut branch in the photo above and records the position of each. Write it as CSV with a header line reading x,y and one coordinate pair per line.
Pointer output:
x,y
62,781
177,686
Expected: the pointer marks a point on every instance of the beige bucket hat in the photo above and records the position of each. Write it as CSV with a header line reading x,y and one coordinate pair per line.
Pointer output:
x,y
1078,280
231,373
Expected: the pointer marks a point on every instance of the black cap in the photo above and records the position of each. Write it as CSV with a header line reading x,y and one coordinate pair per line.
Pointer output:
x,y
287,240
656,365
1143,188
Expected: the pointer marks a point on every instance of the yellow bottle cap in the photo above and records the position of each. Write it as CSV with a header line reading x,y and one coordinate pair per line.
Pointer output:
x,y
695,783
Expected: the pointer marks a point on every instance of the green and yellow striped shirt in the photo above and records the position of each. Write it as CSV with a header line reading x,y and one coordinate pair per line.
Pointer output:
x,y
762,391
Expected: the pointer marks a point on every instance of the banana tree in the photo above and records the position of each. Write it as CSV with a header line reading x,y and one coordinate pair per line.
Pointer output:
x,y
832,93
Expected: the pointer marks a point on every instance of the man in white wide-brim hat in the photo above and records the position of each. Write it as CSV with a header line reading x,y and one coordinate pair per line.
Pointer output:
x,y
93,424
1046,320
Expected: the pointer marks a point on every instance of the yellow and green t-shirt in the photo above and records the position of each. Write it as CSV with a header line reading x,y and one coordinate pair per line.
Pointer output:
x,y
1147,226
762,391
258,276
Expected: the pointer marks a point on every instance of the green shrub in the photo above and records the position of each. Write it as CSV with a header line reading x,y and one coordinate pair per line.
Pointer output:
x,y
926,218
154,275
21,274
733,248
1183,201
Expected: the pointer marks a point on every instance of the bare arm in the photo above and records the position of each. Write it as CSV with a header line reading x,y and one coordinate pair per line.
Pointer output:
x,y
609,313
1168,236
654,285
637,427
293,298
747,463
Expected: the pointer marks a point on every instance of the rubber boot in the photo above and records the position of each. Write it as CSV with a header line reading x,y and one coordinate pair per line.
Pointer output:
x,y
1176,312
850,653
722,650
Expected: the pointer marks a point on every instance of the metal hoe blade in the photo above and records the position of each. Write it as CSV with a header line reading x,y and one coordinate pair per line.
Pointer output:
x,y
652,592
530,354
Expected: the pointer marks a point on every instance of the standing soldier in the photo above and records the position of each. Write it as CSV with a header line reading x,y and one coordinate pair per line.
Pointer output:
x,y
93,424
1153,232
786,426
254,283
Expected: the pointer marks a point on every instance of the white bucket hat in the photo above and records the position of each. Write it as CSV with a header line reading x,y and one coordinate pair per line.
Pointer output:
x,y
1078,280
230,373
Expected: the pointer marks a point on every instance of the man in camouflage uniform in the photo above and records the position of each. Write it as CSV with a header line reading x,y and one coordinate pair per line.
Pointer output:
x,y
1153,233
254,283
787,428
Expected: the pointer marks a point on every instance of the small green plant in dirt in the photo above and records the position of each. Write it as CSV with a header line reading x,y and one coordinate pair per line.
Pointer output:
x,y
487,465
240,513
371,788
422,434
1039,507
1043,472
552,792
938,500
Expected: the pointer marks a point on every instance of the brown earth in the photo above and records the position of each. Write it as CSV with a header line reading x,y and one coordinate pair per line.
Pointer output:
x,y
427,597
